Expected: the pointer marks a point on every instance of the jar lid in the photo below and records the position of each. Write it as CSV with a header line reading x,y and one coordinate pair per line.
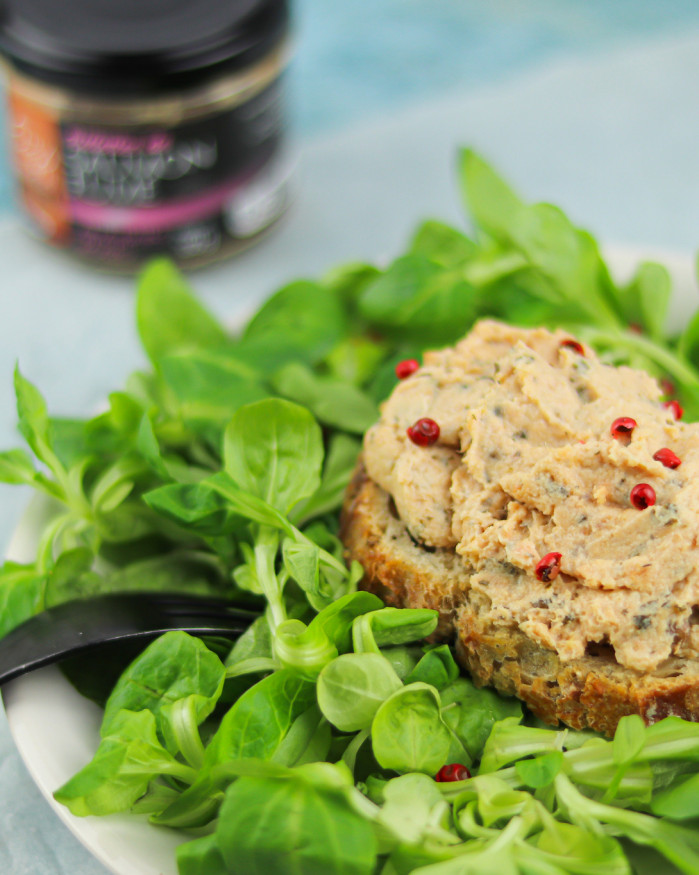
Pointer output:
x,y
131,46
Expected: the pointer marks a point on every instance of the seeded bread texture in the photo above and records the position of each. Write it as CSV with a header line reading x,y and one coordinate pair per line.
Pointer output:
x,y
593,691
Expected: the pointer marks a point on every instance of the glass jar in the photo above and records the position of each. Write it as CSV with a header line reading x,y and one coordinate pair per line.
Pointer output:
x,y
143,127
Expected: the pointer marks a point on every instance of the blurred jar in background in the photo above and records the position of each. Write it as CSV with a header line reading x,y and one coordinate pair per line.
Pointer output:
x,y
143,127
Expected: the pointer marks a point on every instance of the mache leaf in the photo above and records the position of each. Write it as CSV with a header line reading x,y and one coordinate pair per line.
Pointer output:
x,y
170,319
273,449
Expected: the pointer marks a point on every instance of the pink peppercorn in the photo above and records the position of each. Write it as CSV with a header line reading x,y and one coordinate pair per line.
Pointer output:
x,y
622,427
424,432
668,458
642,496
675,408
406,368
452,772
548,567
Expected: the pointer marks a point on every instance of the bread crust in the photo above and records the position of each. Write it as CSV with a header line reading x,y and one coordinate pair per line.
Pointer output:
x,y
592,692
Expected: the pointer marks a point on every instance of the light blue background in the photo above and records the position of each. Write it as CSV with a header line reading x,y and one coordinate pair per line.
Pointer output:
x,y
589,103
359,60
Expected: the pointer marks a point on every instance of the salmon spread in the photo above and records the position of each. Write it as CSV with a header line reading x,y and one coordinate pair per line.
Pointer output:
x,y
565,485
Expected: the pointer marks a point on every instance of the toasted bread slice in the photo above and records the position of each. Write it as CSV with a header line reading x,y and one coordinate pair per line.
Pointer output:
x,y
591,692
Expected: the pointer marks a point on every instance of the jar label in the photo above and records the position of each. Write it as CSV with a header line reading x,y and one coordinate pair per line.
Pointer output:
x,y
37,152
122,194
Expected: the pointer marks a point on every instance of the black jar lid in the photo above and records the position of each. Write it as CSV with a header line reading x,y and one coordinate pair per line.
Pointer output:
x,y
128,47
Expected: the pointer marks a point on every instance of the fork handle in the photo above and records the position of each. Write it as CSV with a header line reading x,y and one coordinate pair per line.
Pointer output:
x,y
79,625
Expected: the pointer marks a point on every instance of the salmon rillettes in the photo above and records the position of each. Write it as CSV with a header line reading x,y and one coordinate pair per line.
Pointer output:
x,y
565,487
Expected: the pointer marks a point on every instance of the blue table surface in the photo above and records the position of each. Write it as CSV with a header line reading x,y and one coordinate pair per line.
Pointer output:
x,y
587,102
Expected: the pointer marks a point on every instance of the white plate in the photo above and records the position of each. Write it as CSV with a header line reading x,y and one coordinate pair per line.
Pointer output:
x,y
57,731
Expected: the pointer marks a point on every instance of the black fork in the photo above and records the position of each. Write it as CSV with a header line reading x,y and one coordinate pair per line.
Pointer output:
x,y
84,624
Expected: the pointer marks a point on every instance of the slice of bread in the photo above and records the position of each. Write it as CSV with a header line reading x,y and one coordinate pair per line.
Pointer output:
x,y
592,692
